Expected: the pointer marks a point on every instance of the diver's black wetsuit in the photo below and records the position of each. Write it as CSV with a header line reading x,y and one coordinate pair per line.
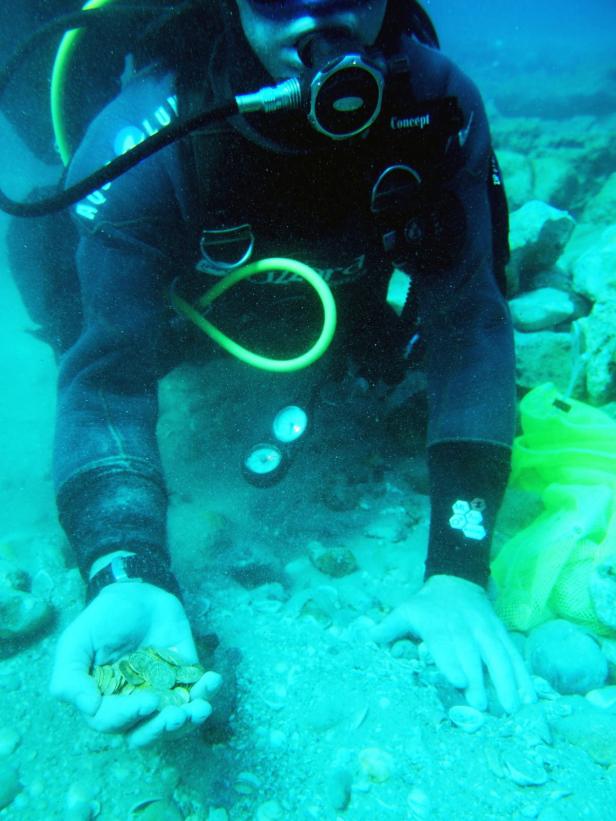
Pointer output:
x,y
143,231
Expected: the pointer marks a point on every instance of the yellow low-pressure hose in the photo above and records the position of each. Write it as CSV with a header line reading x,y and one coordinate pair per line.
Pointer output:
x,y
249,357
64,55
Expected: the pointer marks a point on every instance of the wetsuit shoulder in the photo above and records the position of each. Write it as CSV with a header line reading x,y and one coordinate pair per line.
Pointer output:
x,y
434,75
145,105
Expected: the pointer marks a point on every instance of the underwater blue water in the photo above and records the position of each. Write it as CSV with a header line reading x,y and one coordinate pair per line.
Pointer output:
x,y
555,27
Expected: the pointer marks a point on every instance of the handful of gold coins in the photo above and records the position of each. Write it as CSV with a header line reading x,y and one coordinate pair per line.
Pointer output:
x,y
158,671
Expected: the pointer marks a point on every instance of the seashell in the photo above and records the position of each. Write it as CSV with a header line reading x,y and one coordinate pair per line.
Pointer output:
x,y
377,764
246,783
544,689
522,770
155,809
466,718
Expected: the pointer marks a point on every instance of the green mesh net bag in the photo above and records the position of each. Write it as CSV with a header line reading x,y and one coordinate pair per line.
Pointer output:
x,y
563,565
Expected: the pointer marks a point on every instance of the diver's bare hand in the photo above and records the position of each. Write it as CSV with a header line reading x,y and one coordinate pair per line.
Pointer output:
x,y
462,633
122,618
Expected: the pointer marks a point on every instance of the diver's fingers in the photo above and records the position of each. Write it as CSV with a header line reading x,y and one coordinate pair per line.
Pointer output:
x,y
118,713
207,685
170,719
198,711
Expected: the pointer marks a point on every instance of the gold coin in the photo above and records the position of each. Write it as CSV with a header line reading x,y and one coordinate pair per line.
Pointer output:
x,y
106,679
161,676
189,673
129,673
168,656
182,695
140,661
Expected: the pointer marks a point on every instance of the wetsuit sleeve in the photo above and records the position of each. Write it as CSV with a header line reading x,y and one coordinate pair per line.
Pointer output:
x,y
109,481
470,359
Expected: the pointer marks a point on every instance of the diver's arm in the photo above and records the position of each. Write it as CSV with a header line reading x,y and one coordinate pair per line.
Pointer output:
x,y
109,480
471,390
470,360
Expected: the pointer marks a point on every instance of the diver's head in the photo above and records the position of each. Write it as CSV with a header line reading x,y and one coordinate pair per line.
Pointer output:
x,y
277,30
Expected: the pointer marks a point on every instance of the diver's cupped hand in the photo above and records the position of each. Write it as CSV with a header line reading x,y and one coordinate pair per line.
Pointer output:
x,y
124,617
463,635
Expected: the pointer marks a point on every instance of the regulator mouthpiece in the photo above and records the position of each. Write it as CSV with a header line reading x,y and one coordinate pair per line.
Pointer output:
x,y
345,89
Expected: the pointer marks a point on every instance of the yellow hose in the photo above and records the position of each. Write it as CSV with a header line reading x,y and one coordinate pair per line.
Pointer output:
x,y
59,72
249,357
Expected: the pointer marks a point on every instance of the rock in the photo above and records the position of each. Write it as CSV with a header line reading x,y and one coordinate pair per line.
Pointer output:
x,y
594,272
544,308
569,659
538,233
388,527
555,181
9,785
588,727
269,811
599,341
602,207
338,495
604,698
543,356
518,176
13,577
21,614
333,561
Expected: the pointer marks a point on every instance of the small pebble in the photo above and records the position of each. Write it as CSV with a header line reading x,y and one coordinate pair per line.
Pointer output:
x,y
605,697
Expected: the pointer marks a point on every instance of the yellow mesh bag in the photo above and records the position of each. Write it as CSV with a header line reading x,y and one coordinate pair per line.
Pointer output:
x,y
567,452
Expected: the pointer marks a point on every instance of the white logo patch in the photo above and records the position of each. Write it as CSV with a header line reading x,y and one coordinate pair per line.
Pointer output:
x,y
468,518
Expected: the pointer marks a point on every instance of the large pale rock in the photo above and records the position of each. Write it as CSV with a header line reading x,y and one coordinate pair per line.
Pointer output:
x,y
544,308
538,234
586,726
564,655
555,181
599,331
21,614
602,207
543,356
518,177
594,272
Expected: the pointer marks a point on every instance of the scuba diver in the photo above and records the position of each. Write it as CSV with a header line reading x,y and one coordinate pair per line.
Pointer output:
x,y
385,161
